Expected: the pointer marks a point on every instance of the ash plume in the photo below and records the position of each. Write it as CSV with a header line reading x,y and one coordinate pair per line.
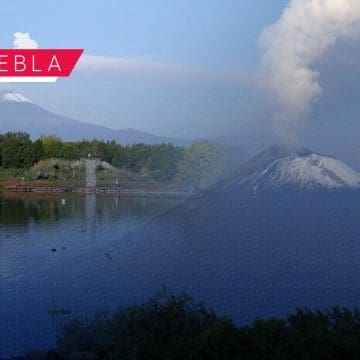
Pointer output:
x,y
291,47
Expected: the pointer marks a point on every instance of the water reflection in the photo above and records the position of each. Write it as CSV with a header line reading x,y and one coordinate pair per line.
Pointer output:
x,y
55,260
245,259
21,208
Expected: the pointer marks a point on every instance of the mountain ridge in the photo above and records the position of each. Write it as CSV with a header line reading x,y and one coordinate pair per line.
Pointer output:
x,y
296,167
17,113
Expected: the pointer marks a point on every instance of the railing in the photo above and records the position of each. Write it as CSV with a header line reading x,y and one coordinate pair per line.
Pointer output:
x,y
57,186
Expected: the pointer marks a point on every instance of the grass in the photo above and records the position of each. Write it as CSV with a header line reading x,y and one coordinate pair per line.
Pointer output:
x,y
10,173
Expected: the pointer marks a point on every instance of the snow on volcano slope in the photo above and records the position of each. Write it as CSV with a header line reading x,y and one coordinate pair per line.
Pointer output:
x,y
301,169
314,170
10,96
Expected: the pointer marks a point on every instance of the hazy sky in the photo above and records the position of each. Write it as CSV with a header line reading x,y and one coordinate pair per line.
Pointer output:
x,y
187,65
186,68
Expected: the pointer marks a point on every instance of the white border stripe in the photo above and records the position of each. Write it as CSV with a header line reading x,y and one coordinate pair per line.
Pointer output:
x,y
28,79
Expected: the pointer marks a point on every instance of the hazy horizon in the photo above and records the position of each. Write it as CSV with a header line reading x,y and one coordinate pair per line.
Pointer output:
x,y
202,70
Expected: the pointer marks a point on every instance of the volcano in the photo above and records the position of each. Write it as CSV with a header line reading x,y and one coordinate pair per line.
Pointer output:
x,y
280,167
282,193
18,113
282,232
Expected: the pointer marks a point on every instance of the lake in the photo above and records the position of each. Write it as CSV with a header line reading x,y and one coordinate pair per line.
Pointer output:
x,y
90,252
54,255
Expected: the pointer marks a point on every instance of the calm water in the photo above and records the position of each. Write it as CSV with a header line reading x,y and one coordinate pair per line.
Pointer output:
x,y
79,276
236,257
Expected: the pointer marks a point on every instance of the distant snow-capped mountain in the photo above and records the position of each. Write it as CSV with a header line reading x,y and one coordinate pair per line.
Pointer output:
x,y
17,113
10,96
294,167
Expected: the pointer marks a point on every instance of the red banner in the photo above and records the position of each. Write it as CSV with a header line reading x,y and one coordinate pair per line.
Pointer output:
x,y
38,62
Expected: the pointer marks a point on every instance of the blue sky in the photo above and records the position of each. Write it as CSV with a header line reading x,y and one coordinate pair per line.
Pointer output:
x,y
179,68
203,32
211,41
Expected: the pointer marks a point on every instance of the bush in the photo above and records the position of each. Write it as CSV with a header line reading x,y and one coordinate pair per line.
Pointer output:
x,y
203,165
174,327
164,327
10,173
107,172
57,169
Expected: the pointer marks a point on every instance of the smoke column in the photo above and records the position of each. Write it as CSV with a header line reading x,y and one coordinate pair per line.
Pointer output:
x,y
291,46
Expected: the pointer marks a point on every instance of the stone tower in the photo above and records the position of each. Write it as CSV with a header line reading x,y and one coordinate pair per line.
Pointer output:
x,y
90,173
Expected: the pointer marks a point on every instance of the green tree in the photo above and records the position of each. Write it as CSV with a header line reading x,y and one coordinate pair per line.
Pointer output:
x,y
14,148
158,162
70,151
164,327
52,146
203,164
33,154
174,327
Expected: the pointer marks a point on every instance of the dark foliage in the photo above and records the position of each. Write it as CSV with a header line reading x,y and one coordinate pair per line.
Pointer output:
x,y
157,161
174,327
14,147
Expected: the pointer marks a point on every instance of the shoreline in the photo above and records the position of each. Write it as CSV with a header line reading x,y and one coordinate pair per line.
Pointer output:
x,y
121,189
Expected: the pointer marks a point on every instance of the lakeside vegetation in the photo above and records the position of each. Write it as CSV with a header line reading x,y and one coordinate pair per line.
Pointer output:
x,y
175,327
198,166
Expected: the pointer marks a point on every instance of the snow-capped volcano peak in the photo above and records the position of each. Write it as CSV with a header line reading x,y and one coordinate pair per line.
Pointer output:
x,y
299,168
11,96
314,170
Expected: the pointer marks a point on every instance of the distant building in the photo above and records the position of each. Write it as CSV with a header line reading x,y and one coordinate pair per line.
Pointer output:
x,y
90,171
